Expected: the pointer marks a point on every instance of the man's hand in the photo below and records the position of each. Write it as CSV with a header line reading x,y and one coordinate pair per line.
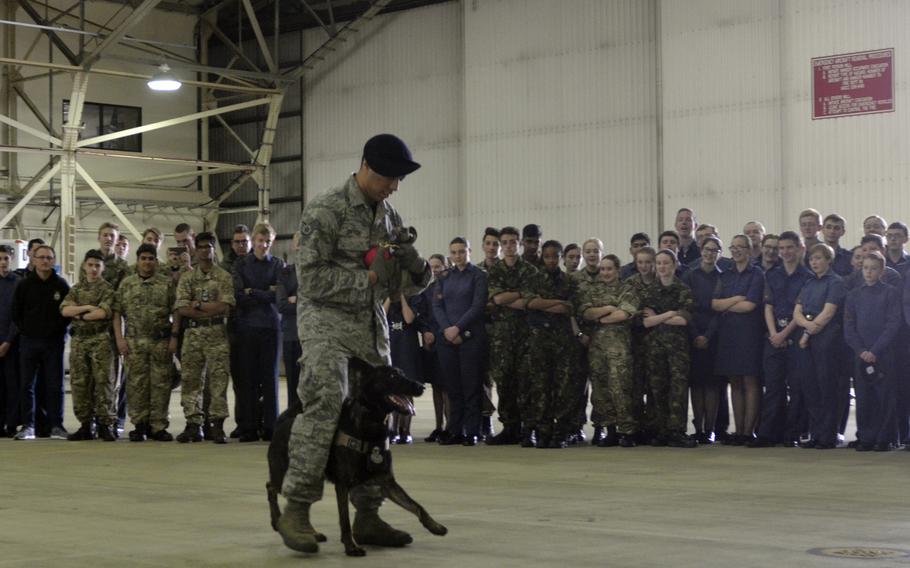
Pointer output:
x,y
778,340
123,347
868,357
410,259
701,342
4,348
428,340
451,333
385,269
292,299
172,345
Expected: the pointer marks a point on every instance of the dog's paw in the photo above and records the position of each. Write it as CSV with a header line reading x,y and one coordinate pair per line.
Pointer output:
x,y
320,537
354,550
437,529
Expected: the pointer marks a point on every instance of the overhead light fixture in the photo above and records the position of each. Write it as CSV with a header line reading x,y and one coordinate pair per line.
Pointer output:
x,y
164,80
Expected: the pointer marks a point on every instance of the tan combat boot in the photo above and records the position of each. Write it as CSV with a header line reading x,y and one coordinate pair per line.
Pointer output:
x,y
295,528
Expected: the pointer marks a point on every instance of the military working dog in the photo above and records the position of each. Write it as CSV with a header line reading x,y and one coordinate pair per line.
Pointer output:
x,y
360,452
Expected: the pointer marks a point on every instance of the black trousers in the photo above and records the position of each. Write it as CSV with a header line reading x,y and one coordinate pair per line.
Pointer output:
x,y
291,353
41,363
10,414
463,367
781,403
258,353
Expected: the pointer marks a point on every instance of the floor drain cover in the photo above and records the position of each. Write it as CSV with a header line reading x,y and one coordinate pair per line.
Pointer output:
x,y
861,552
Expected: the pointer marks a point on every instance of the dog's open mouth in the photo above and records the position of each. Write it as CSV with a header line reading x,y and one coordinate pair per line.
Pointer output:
x,y
401,404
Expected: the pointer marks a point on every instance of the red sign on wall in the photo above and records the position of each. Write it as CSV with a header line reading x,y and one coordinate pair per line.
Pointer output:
x,y
853,83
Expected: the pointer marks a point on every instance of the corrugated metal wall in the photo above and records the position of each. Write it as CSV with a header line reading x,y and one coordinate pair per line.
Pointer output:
x,y
560,117
572,115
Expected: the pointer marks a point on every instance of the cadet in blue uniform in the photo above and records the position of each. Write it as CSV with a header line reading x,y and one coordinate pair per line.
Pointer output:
x,y
816,313
459,302
637,241
432,369
402,314
286,298
871,325
784,361
737,299
833,229
703,383
896,257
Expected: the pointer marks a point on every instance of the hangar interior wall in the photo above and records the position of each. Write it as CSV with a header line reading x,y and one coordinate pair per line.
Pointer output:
x,y
48,94
600,117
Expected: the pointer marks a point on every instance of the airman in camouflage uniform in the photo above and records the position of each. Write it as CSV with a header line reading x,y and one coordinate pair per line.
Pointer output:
x,y
593,254
610,355
551,385
205,295
340,317
667,358
146,300
509,336
91,357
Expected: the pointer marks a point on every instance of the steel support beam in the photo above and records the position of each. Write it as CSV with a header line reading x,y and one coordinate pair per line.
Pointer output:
x,y
257,31
227,41
115,36
55,39
171,122
28,129
107,201
141,76
34,186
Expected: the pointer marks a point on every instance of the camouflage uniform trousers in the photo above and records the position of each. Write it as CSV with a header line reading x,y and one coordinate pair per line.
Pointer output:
x,y
325,381
205,352
550,381
487,408
582,373
612,381
508,343
667,364
92,378
148,381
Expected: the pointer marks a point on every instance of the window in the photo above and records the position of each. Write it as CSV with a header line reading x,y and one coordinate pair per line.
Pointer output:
x,y
102,119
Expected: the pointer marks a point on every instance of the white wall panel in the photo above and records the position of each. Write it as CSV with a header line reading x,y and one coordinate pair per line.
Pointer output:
x,y
560,117
856,165
721,112
402,75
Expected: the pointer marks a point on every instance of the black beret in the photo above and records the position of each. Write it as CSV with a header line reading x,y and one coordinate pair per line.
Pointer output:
x,y
389,156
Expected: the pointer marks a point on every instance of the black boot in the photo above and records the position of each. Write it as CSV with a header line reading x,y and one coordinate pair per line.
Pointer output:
x,y
611,439
83,433
216,432
506,437
192,433
544,435
599,435
140,433
528,438
105,433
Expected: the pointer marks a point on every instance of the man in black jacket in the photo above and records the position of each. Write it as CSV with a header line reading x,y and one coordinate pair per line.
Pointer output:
x,y
42,330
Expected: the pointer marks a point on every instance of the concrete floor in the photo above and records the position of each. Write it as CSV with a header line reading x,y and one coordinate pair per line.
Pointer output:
x,y
153,504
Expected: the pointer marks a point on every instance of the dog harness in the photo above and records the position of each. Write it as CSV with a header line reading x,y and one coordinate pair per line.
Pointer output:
x,y
378,456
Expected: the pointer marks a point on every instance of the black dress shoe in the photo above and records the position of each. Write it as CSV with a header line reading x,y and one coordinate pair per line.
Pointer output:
x,y
235,433
528,438
469,441
580,436
860,447
405,439
433,437
248,437
885,447
599,434
658,441
453,440
825,446
760,443
627,441
680,440
808,444
506,437
443,436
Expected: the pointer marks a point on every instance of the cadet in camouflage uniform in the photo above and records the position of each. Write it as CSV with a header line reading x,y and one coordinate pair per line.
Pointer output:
x,y
611,303
666,308
644,276
146,300
205,296
88,303
340,317
592,253
509,336
552,383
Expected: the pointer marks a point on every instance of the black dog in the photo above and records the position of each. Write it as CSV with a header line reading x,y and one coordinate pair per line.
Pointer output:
x,y
360,451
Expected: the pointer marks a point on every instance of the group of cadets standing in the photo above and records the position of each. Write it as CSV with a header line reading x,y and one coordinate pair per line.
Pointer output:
x,y
137,331
778,330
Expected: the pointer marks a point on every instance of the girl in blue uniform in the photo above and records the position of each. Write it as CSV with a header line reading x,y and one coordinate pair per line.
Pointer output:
x,y
817,313
432,371
737,299
402,314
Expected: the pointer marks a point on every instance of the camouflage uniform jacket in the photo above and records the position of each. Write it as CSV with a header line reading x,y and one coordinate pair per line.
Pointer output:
x,y
583,279
85,293
335,302
147,304
677,297
198,286
599,294
546,285
504,278
115,270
